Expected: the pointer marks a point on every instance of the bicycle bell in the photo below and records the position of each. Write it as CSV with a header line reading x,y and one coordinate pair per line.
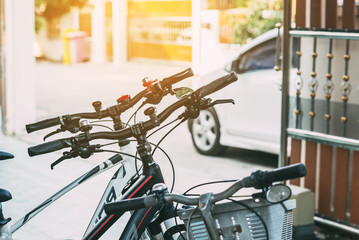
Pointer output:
x,y
278,193
85,125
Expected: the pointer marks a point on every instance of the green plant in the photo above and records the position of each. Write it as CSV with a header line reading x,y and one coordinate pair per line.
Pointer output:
x,y
262,17
39,23
51,9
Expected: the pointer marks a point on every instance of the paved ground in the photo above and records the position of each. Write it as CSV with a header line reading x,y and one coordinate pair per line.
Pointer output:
x,y
69,89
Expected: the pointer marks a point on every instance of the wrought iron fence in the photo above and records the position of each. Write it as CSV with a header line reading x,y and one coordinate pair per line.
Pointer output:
x,y
324,109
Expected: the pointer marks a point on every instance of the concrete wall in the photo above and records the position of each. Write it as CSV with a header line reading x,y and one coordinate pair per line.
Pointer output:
x,y
20,63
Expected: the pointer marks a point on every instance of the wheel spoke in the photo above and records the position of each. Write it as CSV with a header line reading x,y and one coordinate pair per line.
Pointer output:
x,y
196,128
210,122
203,142
211,137
203,118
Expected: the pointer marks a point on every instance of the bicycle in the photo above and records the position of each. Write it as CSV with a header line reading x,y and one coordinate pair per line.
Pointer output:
x,y
153,93
152,217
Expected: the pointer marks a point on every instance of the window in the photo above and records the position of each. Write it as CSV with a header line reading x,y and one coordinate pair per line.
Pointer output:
x,y
260,57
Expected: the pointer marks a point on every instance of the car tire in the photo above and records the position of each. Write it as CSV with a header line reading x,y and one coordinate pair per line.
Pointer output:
x,y
205,132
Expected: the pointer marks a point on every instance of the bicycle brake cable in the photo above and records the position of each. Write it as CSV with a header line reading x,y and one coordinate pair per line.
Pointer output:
x,y
101,125
128,121
158,129
119,152
63,129
169,159
139,159
107,144
103,120
157,146
159,142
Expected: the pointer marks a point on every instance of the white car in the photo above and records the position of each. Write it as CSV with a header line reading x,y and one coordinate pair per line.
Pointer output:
x,y
254,121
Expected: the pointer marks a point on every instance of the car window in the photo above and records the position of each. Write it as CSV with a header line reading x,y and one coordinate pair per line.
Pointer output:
x,y
260,57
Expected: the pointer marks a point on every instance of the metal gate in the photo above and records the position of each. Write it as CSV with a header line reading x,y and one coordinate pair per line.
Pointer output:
x,y
321,107
160,29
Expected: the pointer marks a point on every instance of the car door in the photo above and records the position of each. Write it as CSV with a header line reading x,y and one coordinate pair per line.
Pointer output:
x,y
257,113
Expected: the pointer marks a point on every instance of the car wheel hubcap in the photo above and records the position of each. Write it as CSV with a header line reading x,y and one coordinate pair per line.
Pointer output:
x,y
204,131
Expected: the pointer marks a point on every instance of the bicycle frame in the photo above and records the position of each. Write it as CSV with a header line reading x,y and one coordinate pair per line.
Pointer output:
x,y
100,222
113,190
140,218
121,178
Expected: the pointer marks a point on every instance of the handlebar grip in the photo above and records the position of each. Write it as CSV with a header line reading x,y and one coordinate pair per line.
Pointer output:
x,y
42,124
285,173
130,204
217,84
260,179
48,147
177,77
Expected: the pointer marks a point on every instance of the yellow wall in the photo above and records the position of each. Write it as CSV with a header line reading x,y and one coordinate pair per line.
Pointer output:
x,y
155,29
160,8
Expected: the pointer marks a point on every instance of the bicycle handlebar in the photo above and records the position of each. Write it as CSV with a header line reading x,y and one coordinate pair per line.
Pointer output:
x,y
42,124
166,83
90,115
129,131
169,81
49,147
260,179
216,84
280,174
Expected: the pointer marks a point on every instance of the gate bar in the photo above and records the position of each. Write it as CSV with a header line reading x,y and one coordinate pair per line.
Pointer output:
x,y
336,225
325,34
283,155
322,138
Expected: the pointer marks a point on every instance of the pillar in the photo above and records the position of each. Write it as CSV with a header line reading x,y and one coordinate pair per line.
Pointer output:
x,y
20,65
98,41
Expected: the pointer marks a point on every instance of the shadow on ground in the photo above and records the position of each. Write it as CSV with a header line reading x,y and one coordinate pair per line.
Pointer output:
x,y
252,157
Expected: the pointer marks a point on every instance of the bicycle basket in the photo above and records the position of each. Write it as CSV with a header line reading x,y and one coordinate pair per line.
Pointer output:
x,y
235,221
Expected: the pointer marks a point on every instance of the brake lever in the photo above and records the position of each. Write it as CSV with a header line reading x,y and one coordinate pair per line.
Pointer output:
x,y
52,133
221,101
66,155
83,152
208,104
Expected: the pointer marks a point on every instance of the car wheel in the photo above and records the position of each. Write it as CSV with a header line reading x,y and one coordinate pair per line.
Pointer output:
x,y
205,132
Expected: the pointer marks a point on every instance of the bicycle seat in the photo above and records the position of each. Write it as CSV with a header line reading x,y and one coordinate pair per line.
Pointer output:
x,y
5,195
5,155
